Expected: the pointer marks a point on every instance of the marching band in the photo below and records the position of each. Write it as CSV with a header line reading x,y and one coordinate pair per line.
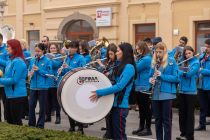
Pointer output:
x,y
157,75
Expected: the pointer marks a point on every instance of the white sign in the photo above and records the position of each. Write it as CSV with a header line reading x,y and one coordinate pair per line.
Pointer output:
x,y
103,17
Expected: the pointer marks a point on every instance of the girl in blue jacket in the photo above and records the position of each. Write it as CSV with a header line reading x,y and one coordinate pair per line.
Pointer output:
x,y
164,75
83,49
52,102
3,60
39,67
73,60
27,56
204,86
187,96
108,67
142,86
125,74
14,81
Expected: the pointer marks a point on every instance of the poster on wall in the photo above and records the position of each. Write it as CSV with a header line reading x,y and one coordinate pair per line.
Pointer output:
x,y
103,17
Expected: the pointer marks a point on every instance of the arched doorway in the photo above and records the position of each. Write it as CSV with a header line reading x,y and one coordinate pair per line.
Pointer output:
x,y
78,26
79,29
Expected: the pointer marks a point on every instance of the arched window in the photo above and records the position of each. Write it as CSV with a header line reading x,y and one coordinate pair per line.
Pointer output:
x,y
79,29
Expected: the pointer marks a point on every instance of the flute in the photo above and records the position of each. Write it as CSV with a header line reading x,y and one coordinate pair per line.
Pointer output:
x,y
90,63
64,56
188,59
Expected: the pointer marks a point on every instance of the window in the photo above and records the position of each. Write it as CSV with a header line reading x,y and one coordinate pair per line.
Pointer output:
x,y
33,39
202,32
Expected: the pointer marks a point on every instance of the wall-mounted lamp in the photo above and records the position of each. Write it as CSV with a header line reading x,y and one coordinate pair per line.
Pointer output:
x,y
31,24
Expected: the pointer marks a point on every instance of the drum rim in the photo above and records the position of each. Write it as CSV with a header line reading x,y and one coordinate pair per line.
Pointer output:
x,y
59,91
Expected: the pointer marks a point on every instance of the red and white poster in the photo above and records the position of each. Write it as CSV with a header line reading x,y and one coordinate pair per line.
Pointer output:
x,y
103,17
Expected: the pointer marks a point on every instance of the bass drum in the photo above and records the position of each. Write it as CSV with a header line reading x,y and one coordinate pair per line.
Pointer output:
x,y
74,91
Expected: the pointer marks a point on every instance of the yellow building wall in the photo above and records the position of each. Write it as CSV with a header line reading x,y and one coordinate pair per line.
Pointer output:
x,y
11,8
10,21
183,12
47,15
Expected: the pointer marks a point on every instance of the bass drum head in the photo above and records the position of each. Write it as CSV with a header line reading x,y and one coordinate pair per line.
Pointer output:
x,y
74,92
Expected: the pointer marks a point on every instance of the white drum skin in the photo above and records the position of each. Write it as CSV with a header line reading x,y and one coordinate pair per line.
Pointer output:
x,y
74,91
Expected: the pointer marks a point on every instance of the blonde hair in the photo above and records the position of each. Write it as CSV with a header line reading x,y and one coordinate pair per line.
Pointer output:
x,y
24,43
161,46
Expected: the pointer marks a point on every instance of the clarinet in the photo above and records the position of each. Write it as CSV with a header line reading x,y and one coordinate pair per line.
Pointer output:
x,y
157,66
200,78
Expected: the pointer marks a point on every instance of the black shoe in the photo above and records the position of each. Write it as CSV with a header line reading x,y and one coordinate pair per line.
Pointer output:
x,y
200,128
135,132
208,123
80,130
26,118
58,120
153,121
145,132
48,119
71,129
181,138
103,128
107,136
85,125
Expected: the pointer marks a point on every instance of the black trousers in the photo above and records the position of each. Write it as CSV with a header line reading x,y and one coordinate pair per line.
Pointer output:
x,y
14,110
204,99
52,102
3,98
145,112
25,107
74,123
186,115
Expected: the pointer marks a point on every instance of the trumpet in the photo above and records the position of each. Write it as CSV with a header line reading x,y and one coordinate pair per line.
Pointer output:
x,y
99,44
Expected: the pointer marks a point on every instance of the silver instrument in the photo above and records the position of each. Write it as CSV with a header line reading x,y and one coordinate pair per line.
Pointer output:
x,y
8,32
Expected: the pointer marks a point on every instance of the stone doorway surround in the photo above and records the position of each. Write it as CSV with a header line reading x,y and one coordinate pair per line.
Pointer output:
x,y
72,18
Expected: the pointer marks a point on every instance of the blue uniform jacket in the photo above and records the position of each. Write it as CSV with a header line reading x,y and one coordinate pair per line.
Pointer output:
x,y
26,55
204,75
168,78
14,79
3,56
56,64
39,80
187,80
76,61
87,58
143,66
121,82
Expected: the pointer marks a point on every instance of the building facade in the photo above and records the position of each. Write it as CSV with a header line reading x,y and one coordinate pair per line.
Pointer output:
x,y
131,20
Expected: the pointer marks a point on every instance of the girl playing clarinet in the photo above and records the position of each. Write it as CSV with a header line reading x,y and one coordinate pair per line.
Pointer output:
x,y
164,75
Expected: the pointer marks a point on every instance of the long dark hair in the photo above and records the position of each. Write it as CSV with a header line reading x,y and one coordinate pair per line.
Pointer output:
x,y
111,47
189,48
42,47
143,47
84,45
74,44
127,58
